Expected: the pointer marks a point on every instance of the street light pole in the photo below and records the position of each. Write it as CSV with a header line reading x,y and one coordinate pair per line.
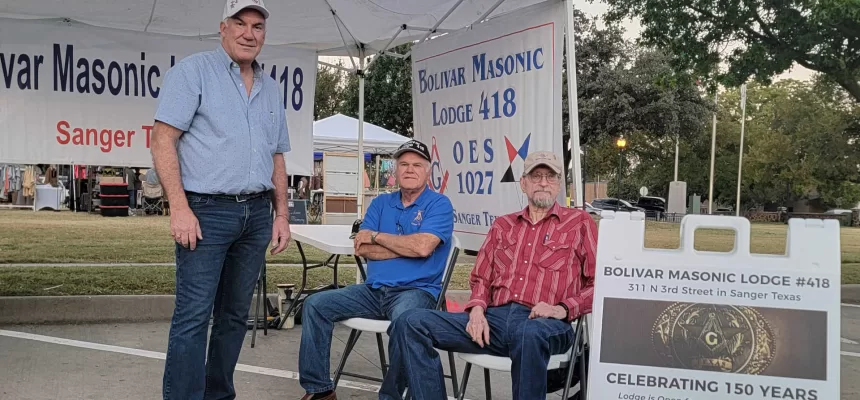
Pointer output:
x,y
621,143
741,149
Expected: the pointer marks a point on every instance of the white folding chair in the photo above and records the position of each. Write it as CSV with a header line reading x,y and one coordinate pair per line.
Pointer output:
x,y
359,325
566,360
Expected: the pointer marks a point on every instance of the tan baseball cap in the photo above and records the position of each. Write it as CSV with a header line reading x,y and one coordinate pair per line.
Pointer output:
x,y
545,158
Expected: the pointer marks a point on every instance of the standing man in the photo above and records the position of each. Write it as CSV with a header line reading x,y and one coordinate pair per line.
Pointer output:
x,y
406,238
219,137
533,276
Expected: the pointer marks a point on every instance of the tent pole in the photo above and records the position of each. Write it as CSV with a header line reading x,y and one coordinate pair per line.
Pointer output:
x,y
385,49
72,203
441,20
377,174
573,107
488,12
347,70
360,191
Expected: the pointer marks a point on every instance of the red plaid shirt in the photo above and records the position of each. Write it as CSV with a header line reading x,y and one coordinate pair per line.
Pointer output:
x,y
550,261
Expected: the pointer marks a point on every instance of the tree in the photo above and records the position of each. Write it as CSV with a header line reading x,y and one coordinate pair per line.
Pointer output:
x,y
387,93
623,90
765,37
329,92
802,147
800,144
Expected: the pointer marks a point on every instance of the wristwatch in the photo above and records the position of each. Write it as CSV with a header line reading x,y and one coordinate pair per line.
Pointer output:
x,y
373,237
566,310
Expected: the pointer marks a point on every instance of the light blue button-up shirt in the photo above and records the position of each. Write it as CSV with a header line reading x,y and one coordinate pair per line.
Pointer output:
x,y
228,138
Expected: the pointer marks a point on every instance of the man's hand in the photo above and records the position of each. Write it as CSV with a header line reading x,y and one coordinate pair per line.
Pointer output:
x,y
478,327
362,237
185,228
280,234
544,310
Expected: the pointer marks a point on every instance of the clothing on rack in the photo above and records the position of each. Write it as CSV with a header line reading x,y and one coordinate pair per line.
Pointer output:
x,y
80,172
11,179
51,176
29,184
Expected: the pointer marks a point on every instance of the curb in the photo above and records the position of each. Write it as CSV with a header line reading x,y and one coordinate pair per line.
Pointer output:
x,y
21,310
851,294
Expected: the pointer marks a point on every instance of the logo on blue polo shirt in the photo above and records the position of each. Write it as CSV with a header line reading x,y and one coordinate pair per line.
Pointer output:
x,y
418,218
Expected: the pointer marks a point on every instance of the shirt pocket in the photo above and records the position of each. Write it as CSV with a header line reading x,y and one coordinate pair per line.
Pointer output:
x,y
268,122
554,255
505,252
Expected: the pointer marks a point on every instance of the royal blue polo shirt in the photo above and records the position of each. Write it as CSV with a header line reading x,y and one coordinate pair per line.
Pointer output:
x,y
430,213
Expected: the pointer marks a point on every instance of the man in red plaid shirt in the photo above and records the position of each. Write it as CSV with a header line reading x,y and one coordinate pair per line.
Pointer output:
x,y
534,275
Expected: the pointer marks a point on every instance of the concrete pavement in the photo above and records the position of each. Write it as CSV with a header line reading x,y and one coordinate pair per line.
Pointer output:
x,y
125,361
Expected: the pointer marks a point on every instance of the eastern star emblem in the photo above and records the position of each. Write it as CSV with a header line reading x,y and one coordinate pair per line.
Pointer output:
x,y
710,337
523,152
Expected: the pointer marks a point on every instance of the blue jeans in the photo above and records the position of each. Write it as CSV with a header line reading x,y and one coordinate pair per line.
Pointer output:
x,y
528,342
322,310
218,279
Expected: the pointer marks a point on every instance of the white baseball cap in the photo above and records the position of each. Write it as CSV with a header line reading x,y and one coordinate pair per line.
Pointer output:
x,y
232,7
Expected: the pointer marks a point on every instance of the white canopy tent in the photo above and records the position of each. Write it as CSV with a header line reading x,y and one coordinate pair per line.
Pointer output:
x,y
353,28
340,133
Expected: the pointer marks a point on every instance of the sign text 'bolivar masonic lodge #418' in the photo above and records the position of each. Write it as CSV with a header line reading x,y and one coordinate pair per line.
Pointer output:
x,y
684,324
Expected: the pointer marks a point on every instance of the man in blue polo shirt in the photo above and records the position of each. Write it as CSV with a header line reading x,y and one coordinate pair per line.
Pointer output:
x,y
406,238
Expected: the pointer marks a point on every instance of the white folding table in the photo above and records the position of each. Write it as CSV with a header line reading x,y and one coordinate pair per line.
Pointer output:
x,y
332,239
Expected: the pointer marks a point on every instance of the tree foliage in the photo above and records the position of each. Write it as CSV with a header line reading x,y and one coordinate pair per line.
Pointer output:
x,y
755,38
623,89
329,92
387,93
801,143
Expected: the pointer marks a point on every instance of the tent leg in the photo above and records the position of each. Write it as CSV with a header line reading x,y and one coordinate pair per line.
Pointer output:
x,y
574,108
360,192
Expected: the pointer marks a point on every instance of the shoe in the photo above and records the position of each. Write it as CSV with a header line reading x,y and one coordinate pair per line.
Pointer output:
x,y
331,396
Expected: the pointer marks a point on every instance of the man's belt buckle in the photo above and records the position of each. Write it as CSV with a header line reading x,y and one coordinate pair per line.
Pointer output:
x,y
241,198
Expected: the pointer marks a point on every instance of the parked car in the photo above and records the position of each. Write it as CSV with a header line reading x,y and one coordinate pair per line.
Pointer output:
x,y
654,206
611,204
651,203
591,209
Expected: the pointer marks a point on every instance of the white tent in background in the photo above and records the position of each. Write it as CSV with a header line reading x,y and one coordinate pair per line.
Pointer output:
x,y
353,28
340,133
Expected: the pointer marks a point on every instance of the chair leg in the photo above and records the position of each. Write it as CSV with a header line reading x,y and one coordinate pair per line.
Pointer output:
x,y
583,378
453,366
571,365
382,362
466,372
256,316
487,387
350,343
265,302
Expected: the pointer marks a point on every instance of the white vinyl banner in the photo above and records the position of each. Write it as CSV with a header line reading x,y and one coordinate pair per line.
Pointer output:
x,y
86,95
689,324
482,100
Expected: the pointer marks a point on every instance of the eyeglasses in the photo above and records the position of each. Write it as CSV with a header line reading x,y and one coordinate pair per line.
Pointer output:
x,y
550,178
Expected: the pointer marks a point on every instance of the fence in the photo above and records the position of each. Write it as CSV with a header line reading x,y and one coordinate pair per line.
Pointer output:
x,y
852,219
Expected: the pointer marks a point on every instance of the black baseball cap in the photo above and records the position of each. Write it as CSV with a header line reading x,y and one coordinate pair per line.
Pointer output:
x,y
415,147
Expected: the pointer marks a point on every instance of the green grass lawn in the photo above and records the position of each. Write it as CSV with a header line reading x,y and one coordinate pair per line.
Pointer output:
x,y
56,238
